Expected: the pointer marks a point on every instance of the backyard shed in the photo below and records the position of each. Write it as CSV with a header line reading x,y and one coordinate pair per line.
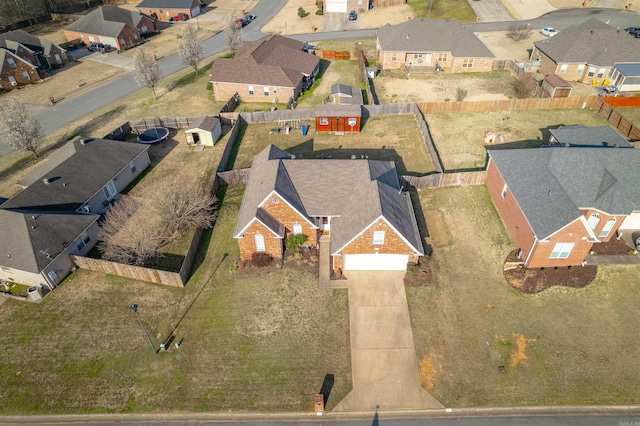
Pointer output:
x,y
338,118
626,77
346,95
556,87
204,131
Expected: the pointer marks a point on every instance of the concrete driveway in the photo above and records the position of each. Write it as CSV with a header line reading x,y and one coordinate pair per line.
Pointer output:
x,y
383,358
339,22
490,10
112,58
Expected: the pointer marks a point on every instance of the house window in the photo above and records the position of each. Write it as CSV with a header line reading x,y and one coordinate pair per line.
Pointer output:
x,y
417,57
378,237
443,57
82,241
25,75
12,81
109,190
607,227
592,71
133,168
324,121
251,90
504,190
52,275
594,220
266,91
563,68
580,69
601,72
297,229
259,240
11,62
561,250
352,122
58,59
91,39
161,11
394,57
467,63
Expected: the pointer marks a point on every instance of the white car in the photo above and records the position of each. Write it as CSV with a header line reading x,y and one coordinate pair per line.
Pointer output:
x,y
549,32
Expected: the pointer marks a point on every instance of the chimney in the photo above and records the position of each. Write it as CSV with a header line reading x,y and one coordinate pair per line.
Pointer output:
x,y
46,181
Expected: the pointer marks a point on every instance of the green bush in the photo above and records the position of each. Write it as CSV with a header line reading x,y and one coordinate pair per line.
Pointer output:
x,y
209,86
319,12
294,241
301,12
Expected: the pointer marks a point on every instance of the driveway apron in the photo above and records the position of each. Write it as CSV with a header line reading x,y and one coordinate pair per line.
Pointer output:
x,y
383,357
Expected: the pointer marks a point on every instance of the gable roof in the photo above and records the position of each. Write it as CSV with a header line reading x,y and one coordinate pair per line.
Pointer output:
x,y
432,35
354,192
348,95
555,81
75,180
338,110
107,20
552,185
4,53
166,4
592,42
207,122
10,40
583,136
272,61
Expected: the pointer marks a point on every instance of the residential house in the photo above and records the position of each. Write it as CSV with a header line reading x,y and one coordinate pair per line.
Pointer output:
x,y
43,53
583,136
165,9
56,215
15,71
338,118
586,53
626,77
111,25
272,69
358,203
343,94
432,45
558,204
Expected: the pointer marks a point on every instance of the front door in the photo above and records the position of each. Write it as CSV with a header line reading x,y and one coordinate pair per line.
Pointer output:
x,y
325,224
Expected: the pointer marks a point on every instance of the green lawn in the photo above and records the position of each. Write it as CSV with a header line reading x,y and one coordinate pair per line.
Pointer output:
x,y
382,138
261,343
459,138
347,44
443,9
580,343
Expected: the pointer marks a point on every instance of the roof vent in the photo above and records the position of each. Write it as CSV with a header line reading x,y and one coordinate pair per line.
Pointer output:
x,y
407,36
615,145
83,141
605,144
567,144
549,193
46,181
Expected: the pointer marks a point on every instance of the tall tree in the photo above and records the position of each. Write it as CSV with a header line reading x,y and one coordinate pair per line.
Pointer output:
x,y
233,32
145,70
19,129
189,47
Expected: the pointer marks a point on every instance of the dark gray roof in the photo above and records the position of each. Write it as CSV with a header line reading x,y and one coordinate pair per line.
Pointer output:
x,y
552,185
432,35
355,192
348,95
166,4
38,45
106,20
592,42
332,110
5,52
556,81
270,222
208,123
76,180
32,240
630,70
583,136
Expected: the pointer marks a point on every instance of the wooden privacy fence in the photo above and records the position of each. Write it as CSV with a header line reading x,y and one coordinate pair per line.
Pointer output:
x,y
506,105
119,133
340,55
169,122
129,271
231,142
437,180
234,176
622,101
624,126
260,117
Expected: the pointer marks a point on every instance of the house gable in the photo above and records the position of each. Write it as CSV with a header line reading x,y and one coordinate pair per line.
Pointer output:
x,y
394,242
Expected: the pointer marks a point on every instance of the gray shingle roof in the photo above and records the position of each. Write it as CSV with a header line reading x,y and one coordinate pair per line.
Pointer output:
x,y
630,70
432,35
592,42
348,95
355,192
28,40
166,4
76,180
551,185
333,110
583,136
107,21
4,53
207,122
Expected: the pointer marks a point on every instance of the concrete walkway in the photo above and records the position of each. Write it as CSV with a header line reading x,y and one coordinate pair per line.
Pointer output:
x,y
383,358
612,260
325,280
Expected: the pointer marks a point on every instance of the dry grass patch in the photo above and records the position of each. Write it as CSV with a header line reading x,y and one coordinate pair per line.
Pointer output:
x,y
459,138
504,47
393,138
345,72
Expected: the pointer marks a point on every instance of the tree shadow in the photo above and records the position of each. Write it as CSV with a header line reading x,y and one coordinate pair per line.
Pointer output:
x,y
205,240
420,219
98,122
327,386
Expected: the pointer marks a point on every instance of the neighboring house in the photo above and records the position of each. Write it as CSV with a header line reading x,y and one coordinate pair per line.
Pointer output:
x,y
343,94
556,87
165,9
445,45
359,203
43,53
15,71
586,53
626,77
111,25
558,204
56,215
273,69
584,137
338,118
204,131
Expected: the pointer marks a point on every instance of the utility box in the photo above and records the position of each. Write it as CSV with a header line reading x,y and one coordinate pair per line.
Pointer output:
x,y
35,293
319,402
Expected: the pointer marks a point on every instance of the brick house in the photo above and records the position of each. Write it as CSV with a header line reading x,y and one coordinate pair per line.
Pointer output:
x,y
165,9
40,52
111,25
430,44
57,213
558,204
343,118
15,71
586,53
359,203
271,69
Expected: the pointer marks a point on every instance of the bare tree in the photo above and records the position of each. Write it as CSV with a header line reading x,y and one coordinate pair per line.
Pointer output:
x,y
519,32
146,71
189,47
19,129
233,32
461,94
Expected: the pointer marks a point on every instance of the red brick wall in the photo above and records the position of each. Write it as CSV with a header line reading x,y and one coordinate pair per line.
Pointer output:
x,y
479,65
272,244
131,35
224,92
603,220
16,72
573,233
288,217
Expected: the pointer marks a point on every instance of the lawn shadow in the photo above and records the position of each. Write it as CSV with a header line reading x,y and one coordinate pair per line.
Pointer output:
x,y
422,223
327,386
98,122
236,148
205,240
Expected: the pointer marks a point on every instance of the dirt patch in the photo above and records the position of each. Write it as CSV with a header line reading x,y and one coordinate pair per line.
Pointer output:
x,y
613,247
519,355
535,280
504,47
427,373
419,275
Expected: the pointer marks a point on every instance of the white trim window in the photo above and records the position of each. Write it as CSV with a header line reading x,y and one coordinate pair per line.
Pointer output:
x,y
11,62
12,81
608,226
561,250
563,68
324,121
25,75
251,90
266,91
580,69
110,190
505,188
467,63
52,275
378,237
594,220
297,229
82,241
259,241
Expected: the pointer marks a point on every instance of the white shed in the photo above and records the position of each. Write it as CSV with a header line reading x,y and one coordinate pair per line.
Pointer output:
x,y
204,131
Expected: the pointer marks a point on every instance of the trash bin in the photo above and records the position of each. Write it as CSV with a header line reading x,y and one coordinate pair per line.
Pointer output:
x,y
304,130
35,293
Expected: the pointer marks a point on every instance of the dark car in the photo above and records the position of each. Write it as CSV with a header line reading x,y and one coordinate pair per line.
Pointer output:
x,y
352,15
94,47
181,17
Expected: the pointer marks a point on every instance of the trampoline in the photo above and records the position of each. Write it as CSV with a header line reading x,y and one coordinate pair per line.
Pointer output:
x,y
153,135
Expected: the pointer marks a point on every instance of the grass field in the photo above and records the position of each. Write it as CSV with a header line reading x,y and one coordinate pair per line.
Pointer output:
x,y
443,9
561,346
332,72
631,114
81,350
382,138
459,138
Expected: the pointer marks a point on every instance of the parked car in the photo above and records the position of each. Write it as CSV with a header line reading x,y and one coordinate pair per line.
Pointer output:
x,y
94,47
632,30
352,15
249,17
181,17
549,32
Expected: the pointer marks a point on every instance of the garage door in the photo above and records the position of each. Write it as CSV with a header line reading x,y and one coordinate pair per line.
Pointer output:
x,y
336,6
375,262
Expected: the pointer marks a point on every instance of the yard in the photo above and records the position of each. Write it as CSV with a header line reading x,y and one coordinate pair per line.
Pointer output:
x,y
459,138
332,72
562,346
443,9
631,114
503,46
92,356
393,138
